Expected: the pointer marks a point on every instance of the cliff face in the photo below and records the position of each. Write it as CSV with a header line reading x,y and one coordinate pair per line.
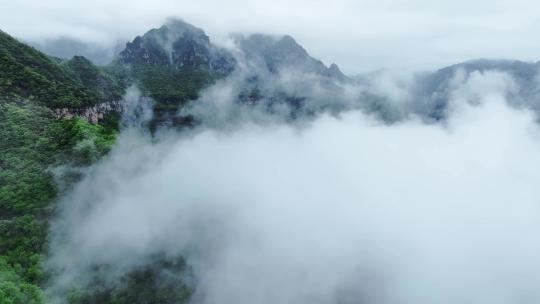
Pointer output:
x,y
92,114
282,53
172,64
179,46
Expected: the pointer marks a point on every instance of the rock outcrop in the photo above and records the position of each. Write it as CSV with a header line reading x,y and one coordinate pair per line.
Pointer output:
x,y
284,53
92,114
179,45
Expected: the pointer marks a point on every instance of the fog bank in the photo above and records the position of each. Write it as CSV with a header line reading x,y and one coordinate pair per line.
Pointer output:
x,y
343,209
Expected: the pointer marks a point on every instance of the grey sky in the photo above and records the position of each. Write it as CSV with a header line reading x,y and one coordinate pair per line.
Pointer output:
x,y
358,35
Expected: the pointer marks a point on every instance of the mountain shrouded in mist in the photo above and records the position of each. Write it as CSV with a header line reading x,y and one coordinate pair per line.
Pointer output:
x,y
248,171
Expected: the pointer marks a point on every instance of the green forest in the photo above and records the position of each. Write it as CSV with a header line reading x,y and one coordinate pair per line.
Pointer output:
x,y
34,142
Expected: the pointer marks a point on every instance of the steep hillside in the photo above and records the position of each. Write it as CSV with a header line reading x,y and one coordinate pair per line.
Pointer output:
x,y
284,53
29,73
172,64
34,142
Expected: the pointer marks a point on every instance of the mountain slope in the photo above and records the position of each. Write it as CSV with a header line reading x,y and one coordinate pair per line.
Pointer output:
x,y
433,89
172,64
33,142
284,53
29,73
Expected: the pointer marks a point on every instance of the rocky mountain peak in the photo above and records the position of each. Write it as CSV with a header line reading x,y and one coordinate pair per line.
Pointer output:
x,y
284,53
288,44
178,28
178,45
335,72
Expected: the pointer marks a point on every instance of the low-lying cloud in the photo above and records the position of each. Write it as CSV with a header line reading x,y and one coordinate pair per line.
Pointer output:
x,y
341,209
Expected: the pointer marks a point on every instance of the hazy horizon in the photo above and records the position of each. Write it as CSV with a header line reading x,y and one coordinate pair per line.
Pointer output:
x,y
360,36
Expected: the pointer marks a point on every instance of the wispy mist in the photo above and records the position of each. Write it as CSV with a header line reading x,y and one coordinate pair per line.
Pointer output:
x,y
341,209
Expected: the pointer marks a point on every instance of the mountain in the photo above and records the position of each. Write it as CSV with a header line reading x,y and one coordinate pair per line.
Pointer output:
x,y
66,48
523,72
180,46
172,64
433,89
33,86
28,73
284,53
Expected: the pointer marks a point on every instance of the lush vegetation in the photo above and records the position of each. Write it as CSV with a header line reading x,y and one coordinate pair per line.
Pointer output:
x,y
29,73
162,280
172,68
170,89
16,290
33,142
97,80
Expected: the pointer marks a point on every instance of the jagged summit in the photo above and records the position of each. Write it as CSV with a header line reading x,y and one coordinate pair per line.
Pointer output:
x,y
180,45
335,72
279,53
174,62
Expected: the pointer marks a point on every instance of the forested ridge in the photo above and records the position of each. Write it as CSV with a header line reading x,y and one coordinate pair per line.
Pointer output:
x,y
34,142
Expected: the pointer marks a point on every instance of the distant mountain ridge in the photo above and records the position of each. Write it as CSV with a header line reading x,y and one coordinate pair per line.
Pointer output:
x,y
279,53
175,62
67,47
433,88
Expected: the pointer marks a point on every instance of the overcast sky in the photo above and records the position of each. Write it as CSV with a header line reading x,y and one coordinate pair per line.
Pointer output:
x,y
359,35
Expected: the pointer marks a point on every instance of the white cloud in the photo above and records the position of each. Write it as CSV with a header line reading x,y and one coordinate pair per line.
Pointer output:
x,y
345,210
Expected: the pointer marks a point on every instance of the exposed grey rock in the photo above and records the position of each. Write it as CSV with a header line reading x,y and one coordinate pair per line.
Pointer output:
x,y
91,114
179,45
284,53
334,72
